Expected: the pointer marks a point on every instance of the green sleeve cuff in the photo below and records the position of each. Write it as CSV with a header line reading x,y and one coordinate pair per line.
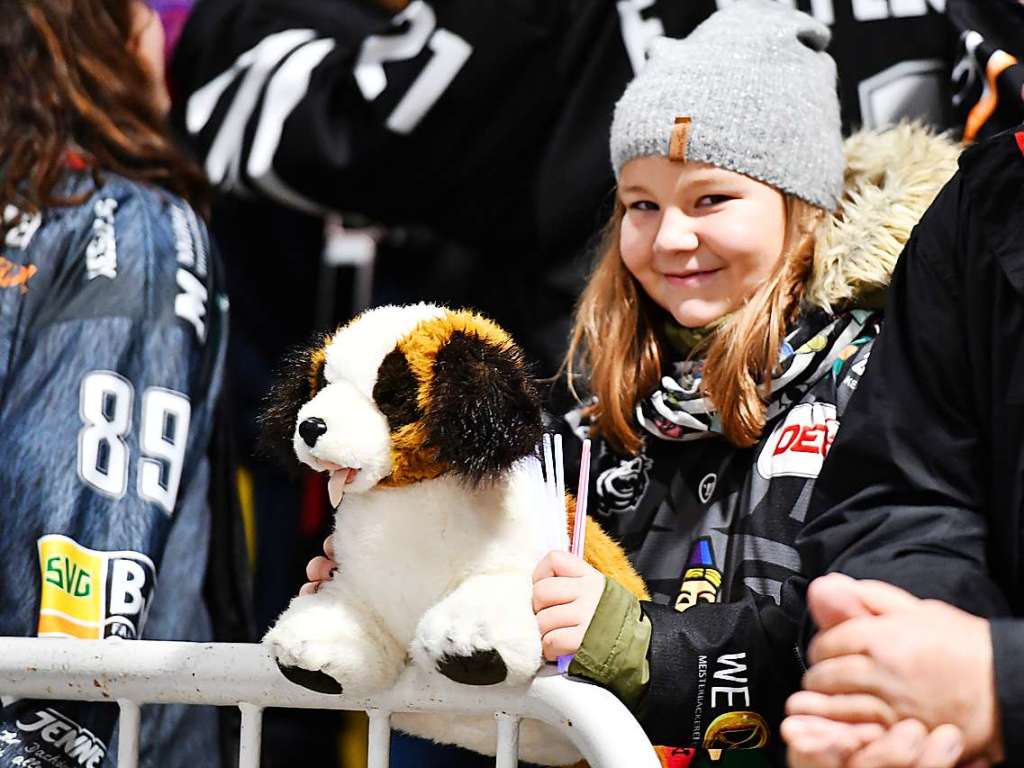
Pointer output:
x,y
614,649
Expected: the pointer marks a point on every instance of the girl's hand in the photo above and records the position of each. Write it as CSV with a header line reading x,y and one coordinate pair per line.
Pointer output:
x,y
566,592
320,569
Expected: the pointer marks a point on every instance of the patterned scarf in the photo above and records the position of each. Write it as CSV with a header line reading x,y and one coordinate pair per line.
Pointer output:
x,y
678,411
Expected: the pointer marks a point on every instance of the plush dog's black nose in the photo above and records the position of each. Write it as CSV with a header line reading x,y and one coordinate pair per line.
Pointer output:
x,y
311,429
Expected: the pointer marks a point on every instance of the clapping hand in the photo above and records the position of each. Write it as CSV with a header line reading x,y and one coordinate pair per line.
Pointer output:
x,y
895,681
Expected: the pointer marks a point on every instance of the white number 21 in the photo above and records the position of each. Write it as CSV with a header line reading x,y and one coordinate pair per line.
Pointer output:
x,y
105,405
449,54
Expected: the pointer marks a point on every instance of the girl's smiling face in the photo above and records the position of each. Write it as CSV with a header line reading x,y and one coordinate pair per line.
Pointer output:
x,y
699,239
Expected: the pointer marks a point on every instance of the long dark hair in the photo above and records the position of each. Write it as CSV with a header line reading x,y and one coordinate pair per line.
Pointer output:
x,y
70,82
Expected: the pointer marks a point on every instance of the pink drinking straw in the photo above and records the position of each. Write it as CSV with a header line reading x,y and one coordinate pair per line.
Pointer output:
x,y
579,528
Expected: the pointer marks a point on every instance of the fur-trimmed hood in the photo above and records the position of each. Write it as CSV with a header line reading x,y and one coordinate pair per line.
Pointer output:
x,y
891,177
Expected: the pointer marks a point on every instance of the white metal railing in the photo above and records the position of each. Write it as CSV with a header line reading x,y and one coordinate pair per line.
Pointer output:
x,y
133,672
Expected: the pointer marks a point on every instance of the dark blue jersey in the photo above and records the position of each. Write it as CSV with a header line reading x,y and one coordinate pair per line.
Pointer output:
x,y
112,336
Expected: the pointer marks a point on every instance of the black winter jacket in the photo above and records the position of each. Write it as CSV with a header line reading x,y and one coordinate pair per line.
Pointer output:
x,y
706,522
935,431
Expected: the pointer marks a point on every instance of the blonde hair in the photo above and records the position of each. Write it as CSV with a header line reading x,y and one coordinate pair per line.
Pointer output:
x,y
616,341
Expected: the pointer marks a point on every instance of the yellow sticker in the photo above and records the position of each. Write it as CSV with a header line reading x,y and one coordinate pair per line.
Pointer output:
x,y
90,594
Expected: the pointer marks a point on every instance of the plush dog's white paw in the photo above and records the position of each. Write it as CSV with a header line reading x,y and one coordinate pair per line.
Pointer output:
x,y
483,633
320,644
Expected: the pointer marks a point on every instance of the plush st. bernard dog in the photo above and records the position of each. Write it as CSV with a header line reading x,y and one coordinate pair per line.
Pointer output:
x,y
423,418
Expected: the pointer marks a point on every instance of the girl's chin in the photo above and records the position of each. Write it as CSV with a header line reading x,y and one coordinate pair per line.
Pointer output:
x,y
690,316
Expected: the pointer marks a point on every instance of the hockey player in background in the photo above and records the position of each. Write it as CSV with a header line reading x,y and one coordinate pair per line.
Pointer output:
x,y
112,336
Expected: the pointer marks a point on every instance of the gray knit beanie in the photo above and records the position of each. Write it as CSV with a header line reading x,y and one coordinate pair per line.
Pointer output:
x,y
750,90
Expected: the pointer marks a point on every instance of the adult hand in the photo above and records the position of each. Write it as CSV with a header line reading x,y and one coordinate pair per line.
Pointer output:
x,y
566,591
919,659
320,569
817,742
813,737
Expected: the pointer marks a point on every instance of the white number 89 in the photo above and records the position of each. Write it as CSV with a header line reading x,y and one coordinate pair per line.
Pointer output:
x,y
103,456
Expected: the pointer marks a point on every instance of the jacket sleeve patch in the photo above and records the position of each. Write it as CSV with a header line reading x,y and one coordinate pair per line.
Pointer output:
x,y
797,447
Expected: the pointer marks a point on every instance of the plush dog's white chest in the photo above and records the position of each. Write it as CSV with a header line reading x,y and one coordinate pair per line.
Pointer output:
x,y
401,550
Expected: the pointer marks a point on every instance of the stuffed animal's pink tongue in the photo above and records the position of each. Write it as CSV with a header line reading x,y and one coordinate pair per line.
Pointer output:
x,y
336,484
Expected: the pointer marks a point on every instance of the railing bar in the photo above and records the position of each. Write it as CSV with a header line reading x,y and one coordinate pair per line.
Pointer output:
x,y
508,741
379,738
166,672
128,734
250,735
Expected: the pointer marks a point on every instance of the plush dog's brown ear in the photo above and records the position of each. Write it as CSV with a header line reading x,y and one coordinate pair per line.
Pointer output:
x,y
296,381
484,411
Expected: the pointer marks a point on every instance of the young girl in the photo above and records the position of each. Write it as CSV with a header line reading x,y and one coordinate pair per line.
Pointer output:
x,y
722,333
